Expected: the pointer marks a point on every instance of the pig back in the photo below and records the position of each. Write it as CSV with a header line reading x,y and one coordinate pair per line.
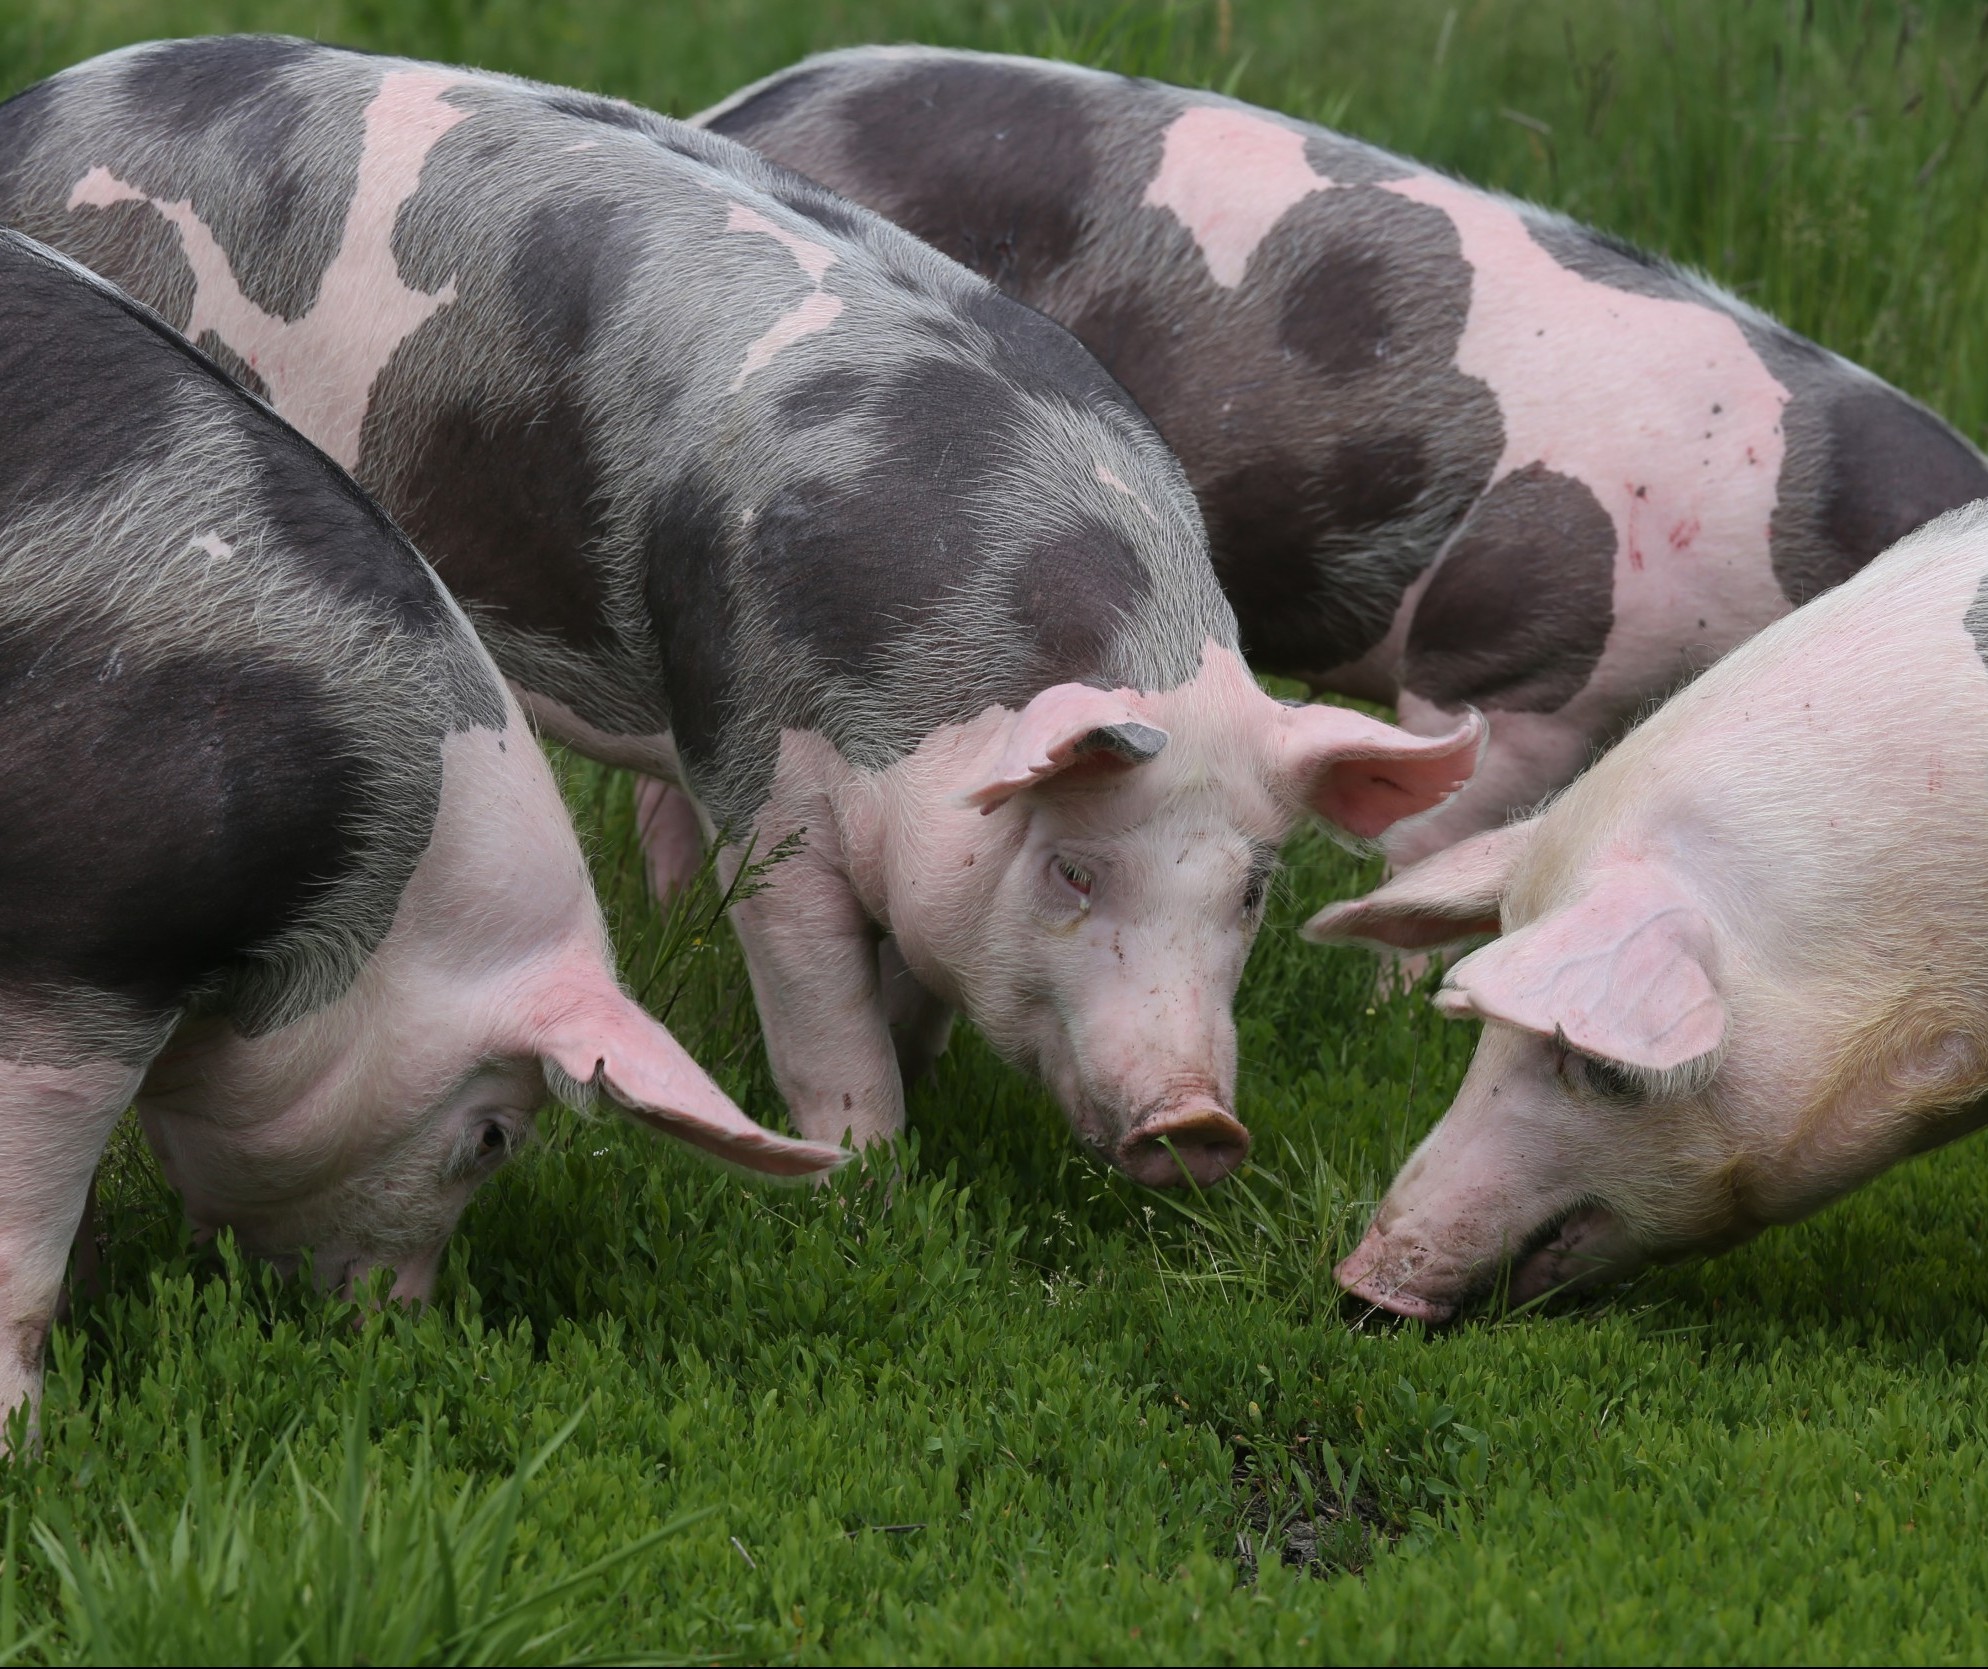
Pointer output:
x,y
1361,362
703,449
224,683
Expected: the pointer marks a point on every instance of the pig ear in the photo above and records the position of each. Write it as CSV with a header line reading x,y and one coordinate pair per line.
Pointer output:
x,y
1621,974
1454,895
1067,726
1364,776
611,1044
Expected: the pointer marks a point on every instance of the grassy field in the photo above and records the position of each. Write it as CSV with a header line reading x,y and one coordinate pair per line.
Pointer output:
x,y
1012,1409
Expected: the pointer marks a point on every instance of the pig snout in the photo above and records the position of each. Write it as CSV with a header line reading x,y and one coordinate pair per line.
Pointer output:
x,y
1197,1142
1382,1271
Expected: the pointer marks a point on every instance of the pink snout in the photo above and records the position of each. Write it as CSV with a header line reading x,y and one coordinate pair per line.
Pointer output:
x,y
1199,1144
1374,1274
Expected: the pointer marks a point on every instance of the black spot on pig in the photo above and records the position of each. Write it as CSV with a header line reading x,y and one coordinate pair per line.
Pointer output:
x,y
505,500
88,396
24,118
1072,592
992,165
770,106
1128,334
1893,466
810,202
591,107
218,802
822,398
276,169
1603,258
1976,620
1275,525
572,264
183,87
1348,162
1519,612
686,584
846,568
1336,312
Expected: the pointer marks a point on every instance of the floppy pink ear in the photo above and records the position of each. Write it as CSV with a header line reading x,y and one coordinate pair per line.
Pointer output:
x,y
611,1043
1365,776
1621,974
1066,726
1454,895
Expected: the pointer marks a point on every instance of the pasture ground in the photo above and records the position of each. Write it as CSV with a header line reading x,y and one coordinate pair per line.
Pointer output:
x,y
1013,1409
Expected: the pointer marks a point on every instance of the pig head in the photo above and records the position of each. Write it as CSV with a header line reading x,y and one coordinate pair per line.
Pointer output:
x,y
361,1131
1085,876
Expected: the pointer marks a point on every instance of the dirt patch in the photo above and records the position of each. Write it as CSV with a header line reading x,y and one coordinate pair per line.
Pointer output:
x,y
1319,1531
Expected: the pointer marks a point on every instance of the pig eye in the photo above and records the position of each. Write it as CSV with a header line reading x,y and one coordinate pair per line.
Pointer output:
x,y
1602,1079
494,1140
1076,875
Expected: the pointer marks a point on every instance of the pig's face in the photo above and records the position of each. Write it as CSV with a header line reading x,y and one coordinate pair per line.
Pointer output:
x,y
1090,899
1645,1088
1119,938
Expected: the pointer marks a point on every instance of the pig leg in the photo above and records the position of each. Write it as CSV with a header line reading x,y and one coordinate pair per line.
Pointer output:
x,y
812,953
54,1122
672,840
1526,757
920,1025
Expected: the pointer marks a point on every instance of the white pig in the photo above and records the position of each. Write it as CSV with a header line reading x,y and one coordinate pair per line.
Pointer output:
x,y
1743,963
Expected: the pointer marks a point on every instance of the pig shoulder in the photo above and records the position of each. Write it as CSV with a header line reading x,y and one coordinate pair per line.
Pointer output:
x,y
225,682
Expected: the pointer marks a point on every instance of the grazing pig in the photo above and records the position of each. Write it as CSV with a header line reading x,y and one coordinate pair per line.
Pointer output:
x,y
1453,450
1744,963
283,864
750,490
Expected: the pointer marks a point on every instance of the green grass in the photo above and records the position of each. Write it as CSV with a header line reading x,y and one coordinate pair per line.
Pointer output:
x,y
1009,1408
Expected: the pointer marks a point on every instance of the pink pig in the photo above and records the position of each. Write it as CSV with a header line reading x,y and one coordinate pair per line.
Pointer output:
x,y
1741,969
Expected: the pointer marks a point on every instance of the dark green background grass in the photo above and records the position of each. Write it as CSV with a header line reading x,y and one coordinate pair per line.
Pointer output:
x,y
1010,1408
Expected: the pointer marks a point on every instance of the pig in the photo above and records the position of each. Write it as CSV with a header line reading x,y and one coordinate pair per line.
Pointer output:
x,y
756,494
1453,450
285,866
1741,963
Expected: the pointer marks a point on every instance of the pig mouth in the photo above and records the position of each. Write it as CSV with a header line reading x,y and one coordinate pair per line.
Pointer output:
x,y
1574,1247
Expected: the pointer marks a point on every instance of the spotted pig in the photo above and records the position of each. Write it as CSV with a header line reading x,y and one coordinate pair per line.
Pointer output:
x,y
1742,962
285,865
1453,450
750,491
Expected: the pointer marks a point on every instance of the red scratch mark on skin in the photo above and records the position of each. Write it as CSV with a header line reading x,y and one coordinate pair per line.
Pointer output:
x,y
1636,557
1229,177
1682,535
814,311
320,368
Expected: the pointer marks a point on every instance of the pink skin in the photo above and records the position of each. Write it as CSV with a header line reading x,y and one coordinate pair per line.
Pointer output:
x,y
814,312
1691,484
1091,915
361,1131
1684,1044
319,368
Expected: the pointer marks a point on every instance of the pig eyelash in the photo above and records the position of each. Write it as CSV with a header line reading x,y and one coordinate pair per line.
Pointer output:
x,y
1078,879
1605,1080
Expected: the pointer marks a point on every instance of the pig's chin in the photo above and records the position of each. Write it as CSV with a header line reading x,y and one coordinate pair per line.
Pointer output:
x,y
1572,1248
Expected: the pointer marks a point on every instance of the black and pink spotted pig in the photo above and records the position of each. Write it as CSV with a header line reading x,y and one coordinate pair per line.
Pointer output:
x,y
748,488
1453,450
282,863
